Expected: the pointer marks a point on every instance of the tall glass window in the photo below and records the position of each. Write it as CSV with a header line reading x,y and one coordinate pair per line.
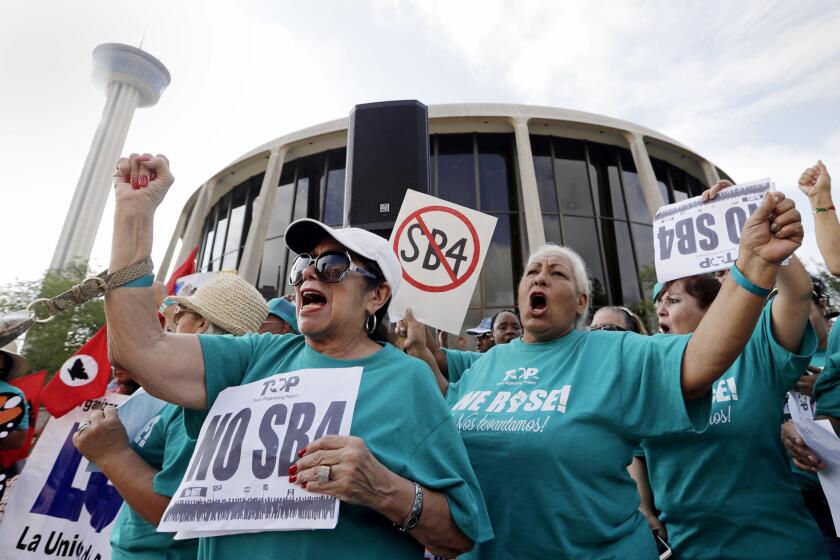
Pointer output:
x,y
592,201
226,226
309,187
679,184
478,171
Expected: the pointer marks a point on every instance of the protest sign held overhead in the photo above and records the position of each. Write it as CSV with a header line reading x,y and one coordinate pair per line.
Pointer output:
x,y
693,237
238,479
57,509
441,247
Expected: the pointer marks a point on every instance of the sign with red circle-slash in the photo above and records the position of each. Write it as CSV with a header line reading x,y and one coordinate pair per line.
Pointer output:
x,y
441,247
442,251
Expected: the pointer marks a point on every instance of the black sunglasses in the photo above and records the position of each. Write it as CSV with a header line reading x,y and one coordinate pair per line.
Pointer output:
x,y
331,267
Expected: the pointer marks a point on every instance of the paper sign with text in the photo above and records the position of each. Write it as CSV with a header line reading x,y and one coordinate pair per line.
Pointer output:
x,y
238,477
692,237
57,509
820,437
441,247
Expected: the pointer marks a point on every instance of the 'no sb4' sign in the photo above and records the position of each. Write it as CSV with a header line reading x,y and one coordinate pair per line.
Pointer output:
x,y
441,247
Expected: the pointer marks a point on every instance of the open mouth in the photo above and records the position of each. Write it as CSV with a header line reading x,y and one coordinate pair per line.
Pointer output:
x,y
537,301
312,300
664,329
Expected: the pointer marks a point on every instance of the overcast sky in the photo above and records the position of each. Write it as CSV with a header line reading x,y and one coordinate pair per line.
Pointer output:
x,y
753,86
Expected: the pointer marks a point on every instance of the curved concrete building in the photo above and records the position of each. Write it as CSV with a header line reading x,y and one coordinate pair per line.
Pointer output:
x,y
584,180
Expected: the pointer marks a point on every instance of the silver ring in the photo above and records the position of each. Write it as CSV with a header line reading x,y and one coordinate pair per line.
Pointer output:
x,y
82,426
323,474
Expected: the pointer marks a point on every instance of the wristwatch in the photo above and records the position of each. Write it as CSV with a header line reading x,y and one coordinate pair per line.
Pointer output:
x,y
416,509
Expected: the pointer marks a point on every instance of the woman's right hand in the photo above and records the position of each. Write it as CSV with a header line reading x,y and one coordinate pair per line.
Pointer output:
x,y
414,333
142,181
801,454
773,232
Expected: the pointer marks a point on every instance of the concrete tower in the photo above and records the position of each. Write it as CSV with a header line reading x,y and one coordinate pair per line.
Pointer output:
x,y
131,78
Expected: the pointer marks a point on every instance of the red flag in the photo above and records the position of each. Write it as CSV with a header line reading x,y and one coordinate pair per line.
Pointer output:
x,y
185,268
84,376
31,386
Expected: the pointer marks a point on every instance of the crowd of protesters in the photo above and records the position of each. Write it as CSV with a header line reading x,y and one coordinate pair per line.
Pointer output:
x,y
566,434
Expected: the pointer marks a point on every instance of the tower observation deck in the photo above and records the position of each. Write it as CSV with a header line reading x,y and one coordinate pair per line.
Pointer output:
x,y
131,78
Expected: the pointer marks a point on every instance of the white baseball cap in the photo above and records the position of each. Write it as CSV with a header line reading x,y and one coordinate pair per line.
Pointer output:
x,y
303,235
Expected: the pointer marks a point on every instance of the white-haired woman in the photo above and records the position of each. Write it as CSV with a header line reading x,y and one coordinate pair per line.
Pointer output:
x,y
146,468
551,420
403,463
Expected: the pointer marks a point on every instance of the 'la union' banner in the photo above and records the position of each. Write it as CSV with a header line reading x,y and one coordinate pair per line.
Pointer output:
x,y
57,509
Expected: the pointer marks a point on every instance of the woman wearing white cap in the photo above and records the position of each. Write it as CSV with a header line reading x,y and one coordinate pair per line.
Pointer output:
x,y
147,467
403,464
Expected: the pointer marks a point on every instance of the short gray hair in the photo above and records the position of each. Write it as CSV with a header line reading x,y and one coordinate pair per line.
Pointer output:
x,y
581,276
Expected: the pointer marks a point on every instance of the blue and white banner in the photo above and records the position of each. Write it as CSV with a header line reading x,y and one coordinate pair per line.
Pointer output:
x,y
57,509
692,237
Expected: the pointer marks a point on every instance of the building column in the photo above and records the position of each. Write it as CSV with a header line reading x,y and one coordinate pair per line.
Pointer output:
x,y
710,172
249,265
528,181
650,188
192,232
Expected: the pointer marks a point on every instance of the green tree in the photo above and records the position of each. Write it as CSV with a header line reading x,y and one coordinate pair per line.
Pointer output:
x,y
48,345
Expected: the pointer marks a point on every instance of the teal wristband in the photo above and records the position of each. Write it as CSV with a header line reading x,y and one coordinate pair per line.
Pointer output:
x,y
142,282
745,283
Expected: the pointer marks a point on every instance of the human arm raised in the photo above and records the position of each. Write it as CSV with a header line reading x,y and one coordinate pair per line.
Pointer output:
x,y
416,345
728,324
792,304
169,366
815,182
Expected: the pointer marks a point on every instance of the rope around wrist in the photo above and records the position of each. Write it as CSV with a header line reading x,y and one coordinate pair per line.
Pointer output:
x,y
92,288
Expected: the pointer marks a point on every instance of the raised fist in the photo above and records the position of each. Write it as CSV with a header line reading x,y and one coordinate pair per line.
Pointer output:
x,y
142,180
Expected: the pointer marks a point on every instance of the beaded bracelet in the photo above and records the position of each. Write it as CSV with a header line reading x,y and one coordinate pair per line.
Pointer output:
x,y
747,284
821,210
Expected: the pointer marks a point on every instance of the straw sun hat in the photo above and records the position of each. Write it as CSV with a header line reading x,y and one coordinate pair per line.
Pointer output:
x,y
20,365
228,302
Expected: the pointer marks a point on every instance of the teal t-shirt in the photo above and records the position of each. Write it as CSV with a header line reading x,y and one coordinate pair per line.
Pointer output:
x,y
9,388
550,429
827,389
403,421
164,445
729,492
459,361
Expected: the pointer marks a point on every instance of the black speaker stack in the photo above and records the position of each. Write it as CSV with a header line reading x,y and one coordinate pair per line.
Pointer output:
x,y
387,154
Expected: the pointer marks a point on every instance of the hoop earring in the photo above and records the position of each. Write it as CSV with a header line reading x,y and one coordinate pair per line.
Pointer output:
x,y
368,327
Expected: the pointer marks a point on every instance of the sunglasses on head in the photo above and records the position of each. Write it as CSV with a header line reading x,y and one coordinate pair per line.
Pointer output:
x,y
330,267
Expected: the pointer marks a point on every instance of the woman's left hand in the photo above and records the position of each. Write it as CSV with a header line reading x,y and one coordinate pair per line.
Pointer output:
x,y
355,475
712,191
104,436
